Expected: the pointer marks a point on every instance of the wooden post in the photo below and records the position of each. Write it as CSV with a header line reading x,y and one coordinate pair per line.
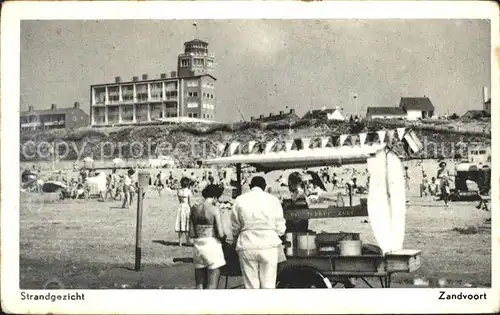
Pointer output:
x,y
138,230
238,179
350,196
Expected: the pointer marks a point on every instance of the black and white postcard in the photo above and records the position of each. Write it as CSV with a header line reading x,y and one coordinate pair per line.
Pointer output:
x,y
255,157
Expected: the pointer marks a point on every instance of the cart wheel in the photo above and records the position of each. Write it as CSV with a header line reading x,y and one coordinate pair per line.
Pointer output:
x,y
301,278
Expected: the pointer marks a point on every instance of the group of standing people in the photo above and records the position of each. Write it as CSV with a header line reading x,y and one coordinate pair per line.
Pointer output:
x,y
257,224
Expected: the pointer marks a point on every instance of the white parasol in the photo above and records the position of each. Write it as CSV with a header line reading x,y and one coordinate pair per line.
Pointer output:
x,y
88,159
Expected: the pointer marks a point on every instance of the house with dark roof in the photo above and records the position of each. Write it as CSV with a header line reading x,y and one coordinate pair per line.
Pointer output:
x,y
289,117
53,118
417,107
475,114
410,108
385,113
325,114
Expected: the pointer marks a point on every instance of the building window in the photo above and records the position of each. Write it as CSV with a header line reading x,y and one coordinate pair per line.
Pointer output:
x,y
171,86
195,94
156,111
113,114
156,91
190,115
100,95
142,92
198,62
128,93
141,112
128,113
192,105
171,94
204,94
184,62
170,105
210,63
99,115
113,94
195,115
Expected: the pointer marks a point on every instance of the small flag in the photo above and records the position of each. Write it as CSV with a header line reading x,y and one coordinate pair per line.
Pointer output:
x,y
390,135
381,136
401,132
305,143
269,146
232,148
362,138
342,139
324,141
250,146
220,148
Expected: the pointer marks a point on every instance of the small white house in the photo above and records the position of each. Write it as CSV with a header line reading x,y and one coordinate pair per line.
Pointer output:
x,y
336,114
385,113
325,113
410,108
417,107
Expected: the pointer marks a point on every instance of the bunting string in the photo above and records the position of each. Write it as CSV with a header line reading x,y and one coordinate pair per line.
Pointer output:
x,y
363,139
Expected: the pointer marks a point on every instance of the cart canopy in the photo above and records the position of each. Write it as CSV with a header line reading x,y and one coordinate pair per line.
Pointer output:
x,y
313,152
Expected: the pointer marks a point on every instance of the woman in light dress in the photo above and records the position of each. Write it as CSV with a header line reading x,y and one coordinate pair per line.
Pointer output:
x,y
128,189
184,195
443,174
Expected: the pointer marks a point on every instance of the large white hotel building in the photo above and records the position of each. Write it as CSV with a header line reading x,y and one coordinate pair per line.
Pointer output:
x,y
188,92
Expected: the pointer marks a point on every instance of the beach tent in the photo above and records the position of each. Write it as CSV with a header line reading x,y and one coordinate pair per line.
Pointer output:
x,y
97,184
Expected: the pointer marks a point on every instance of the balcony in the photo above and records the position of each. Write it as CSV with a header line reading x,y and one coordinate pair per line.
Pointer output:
x,y
30,125
53,123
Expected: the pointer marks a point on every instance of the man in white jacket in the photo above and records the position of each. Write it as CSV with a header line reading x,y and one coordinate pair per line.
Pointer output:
x,y
257,224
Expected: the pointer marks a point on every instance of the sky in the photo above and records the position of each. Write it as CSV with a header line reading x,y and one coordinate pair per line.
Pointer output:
x,y
265,66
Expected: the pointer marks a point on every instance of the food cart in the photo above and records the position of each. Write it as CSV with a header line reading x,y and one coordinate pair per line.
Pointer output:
x,y
323,260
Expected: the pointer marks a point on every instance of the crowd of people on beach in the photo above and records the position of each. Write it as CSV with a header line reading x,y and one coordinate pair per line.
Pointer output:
x,y
257,223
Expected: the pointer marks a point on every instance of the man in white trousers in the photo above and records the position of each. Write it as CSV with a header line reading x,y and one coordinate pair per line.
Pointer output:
x,y
257,224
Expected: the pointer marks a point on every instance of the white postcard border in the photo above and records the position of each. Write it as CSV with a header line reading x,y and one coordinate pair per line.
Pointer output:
x,y
232,301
